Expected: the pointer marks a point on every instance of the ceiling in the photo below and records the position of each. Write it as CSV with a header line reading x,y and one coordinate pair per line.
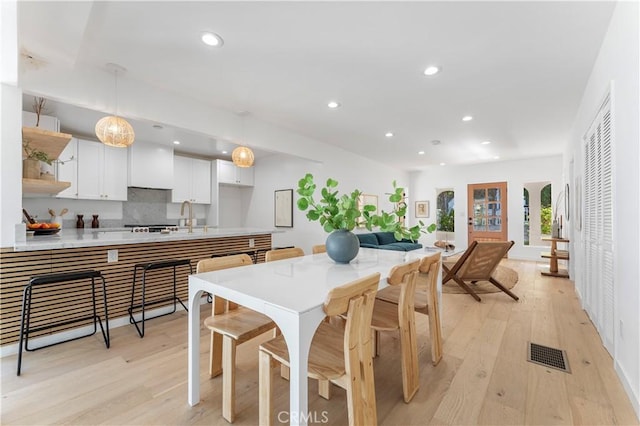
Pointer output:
x,y
518,68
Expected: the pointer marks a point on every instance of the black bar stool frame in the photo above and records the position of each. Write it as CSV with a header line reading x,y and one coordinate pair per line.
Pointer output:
x,y
48,279
149,266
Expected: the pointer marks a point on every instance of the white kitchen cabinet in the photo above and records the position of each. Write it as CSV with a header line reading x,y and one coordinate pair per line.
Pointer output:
x,y
150,166
230,174
192,180
67,169
100,172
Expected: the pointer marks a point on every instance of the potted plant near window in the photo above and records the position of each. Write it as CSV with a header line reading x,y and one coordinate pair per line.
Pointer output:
x,y
339,215
31,163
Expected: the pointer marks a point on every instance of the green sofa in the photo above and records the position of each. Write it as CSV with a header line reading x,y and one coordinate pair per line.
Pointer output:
x,y
386,241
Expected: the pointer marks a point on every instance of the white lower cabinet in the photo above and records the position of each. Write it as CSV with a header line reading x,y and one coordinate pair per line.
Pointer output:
x,y
100,172
191,180
229,173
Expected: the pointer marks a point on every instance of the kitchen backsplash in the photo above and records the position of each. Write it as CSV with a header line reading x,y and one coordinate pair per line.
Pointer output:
x,y
143,206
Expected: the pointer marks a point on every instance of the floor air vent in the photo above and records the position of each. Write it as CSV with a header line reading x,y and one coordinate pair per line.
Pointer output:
x,y
549,357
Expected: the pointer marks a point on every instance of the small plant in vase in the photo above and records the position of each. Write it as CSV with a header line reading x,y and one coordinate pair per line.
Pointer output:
x,y
340,214
31,163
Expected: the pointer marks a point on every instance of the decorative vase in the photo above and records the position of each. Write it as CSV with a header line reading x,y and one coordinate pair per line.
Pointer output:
x,y
555,229
80,222
342,246
31,168
95,223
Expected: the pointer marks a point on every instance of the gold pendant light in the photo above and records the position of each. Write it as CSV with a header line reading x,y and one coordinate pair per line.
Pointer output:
x,y
242,156
113,130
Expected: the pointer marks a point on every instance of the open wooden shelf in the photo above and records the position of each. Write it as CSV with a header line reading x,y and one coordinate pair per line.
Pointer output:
x,y
41,186
45,140
560,254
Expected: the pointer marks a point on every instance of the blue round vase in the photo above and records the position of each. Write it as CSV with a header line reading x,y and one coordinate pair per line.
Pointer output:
x,y
342,246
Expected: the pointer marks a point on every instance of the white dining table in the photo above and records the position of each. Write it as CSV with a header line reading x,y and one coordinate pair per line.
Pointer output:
x,y
292,293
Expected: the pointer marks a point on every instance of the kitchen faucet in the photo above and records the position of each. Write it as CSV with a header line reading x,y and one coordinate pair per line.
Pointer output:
x,y
188,203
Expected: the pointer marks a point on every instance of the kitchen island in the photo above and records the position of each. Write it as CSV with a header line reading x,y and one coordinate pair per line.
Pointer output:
x,y
114,253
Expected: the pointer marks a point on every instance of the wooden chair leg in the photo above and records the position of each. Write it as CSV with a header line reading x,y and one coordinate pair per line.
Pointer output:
x,y
324,389
409,348
503,288
265,389
435,331
215,355
229,379
375,343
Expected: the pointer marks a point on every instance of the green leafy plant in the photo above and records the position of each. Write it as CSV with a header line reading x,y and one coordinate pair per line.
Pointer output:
x,y
35,154
446,221
335,211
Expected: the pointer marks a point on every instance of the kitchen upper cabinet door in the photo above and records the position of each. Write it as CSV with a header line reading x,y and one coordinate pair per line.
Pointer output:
x,y
229,173
192,180
150,166
181,179
67,169
226,172
245,176
90,165
114,181
201,181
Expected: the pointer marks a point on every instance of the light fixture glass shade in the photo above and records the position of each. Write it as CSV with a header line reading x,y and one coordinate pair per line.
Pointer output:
x,y
115,131
242,157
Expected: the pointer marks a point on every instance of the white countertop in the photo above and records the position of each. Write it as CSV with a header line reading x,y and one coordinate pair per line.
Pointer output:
x,y
75,238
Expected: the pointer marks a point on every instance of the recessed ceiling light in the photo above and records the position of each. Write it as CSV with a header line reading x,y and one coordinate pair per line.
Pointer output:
x,y
333,104
176,142
467,118
388,134
443,164
224,152
435,142
420,152
497,157
432,70
211,39
485,142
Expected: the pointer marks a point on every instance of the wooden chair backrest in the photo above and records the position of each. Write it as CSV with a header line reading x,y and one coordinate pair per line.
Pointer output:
x,y
480,259
357,299
219,305
406,276
223,262
320,248
279,254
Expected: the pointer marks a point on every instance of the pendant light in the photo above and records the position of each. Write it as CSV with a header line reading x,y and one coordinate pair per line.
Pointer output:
x,y
242,156
113,130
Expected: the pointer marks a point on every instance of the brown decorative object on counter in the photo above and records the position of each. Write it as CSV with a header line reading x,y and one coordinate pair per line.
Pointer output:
x,y
80,222
95,223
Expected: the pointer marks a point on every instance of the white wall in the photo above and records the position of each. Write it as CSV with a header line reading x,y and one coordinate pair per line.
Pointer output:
x,y
617,66
515,173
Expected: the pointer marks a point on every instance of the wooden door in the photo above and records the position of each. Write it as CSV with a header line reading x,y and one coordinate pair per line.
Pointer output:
x,y
487,207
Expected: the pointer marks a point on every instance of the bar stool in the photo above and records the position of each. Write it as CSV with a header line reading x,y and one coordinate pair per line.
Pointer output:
x,y
50,279
150,266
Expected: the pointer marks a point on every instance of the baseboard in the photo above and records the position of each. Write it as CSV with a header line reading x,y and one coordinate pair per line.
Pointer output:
x,y
631,393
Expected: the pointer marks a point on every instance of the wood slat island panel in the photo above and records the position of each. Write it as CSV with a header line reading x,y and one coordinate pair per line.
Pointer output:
x,y
16,268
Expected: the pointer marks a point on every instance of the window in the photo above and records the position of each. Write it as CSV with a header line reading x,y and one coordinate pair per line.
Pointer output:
x,y
445,211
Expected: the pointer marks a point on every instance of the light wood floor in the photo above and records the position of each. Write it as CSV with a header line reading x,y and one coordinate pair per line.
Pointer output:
x,y
484,377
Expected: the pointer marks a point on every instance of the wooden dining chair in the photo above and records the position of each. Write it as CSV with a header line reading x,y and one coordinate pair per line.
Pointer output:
x,y
391,317
341,355
285,253
230,326
425,300
478,263
320,248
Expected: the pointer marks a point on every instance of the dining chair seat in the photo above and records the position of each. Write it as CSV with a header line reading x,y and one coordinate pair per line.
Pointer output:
x,y
392,295
240,324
